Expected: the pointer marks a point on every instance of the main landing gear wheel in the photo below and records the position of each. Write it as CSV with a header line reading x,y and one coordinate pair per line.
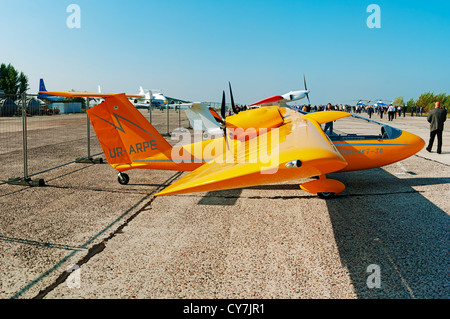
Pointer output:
x,y
123,178
326,195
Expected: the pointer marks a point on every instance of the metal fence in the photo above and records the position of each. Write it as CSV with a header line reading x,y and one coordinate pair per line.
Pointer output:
x,y
36,138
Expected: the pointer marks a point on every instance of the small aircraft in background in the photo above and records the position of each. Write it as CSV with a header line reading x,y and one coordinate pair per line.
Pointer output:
x,y
281,100
157,98
46,97
380,103
362,103
266,145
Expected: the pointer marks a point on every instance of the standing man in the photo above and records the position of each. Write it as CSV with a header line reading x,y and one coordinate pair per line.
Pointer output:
x,y
370,111
436,118
391,111
329,125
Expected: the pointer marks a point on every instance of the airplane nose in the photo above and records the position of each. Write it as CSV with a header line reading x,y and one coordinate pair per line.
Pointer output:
x,y
414,142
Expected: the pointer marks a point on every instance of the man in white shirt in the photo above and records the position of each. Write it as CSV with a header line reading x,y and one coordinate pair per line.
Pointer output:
x,y
391,111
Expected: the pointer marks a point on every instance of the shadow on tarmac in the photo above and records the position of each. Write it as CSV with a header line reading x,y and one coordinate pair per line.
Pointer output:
x,y
382,220
402,232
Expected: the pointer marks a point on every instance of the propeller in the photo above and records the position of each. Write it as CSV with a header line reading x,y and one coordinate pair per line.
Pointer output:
x,y
306,89
221,119
223,112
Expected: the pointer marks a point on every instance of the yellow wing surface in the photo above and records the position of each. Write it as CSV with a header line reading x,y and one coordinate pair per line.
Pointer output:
x,y
284,145
296,149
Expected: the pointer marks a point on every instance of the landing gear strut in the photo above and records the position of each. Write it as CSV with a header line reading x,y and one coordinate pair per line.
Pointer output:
x,y
123,178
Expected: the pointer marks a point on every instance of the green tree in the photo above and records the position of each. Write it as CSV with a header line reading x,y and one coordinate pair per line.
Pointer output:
x,y
426,100
11,81
410,104
23,83
398,101
446,103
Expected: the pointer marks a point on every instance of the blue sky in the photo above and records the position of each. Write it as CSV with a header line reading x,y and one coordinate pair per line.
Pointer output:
x,y
191,49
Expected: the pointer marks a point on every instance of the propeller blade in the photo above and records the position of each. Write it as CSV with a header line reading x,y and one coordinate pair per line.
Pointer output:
x,y
232,100
306,89
223,107
224,123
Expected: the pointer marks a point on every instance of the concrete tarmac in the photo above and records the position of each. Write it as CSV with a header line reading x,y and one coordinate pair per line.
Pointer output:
x,y
84,235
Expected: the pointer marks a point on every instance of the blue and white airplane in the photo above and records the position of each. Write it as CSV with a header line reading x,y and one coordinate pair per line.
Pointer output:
x,y
44,96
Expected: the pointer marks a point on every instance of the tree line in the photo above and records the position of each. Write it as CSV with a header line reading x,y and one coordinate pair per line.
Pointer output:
x,y
426,101
11,81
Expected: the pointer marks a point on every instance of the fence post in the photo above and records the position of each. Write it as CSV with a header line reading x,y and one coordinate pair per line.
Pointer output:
x,y
150,106
167,118
88,123
24,136
88,159
25,180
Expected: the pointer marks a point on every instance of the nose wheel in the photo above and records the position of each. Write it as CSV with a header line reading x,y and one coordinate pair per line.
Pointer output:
x,y
326,195
123,178
324,187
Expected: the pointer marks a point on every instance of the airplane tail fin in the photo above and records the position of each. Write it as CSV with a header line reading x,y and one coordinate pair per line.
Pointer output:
x,y
42,85
125,135
141,91
201,118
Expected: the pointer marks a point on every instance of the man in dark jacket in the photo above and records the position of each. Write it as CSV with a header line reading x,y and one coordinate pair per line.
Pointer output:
x,y
436,118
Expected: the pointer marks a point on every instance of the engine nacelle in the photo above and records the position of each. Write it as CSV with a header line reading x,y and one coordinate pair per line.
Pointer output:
x,y
253,121
294,95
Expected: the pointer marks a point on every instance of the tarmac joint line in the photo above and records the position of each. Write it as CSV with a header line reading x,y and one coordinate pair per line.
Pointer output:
x,y
97,248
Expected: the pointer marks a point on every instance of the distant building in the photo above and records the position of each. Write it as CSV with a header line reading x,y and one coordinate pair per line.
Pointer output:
x,y
66,107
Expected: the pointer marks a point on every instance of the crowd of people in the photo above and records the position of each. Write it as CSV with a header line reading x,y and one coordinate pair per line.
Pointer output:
x,y
435,117
391,110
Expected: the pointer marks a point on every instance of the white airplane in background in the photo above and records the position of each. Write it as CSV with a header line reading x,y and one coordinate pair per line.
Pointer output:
x,y
158,99
201,112
281,100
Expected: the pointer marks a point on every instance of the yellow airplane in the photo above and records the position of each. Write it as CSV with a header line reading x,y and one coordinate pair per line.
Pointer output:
x,y
266,145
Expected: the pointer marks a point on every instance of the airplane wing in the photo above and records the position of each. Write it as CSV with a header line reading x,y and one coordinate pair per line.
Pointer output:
x,y
174,100
88,94
271,99
295,150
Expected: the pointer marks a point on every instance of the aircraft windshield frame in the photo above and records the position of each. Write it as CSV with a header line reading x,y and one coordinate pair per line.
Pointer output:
x,y
374,131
